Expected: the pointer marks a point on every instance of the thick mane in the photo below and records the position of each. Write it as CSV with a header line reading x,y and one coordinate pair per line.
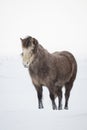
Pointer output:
x,y
41,52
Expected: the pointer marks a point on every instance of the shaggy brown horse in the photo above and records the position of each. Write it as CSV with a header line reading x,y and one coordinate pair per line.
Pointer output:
x,y
51,70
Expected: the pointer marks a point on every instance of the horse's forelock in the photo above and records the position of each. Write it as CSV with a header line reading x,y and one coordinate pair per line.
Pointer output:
x,y
26,42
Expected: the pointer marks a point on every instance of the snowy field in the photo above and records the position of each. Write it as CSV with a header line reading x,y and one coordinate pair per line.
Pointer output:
x,y
18,100
57,25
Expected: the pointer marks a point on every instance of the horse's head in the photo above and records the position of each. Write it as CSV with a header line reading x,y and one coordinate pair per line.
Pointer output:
x,y
29,46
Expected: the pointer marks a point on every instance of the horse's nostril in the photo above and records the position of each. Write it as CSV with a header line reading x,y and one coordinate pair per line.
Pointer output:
x,y
25,66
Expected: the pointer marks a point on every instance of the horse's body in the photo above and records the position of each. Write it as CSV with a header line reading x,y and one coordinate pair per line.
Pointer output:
x,y
51,70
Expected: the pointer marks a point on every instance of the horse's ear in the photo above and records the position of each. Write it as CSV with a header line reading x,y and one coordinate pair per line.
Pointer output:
x,y
21,39
35,42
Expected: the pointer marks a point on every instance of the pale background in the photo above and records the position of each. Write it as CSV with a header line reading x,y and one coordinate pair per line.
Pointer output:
x,y
57,24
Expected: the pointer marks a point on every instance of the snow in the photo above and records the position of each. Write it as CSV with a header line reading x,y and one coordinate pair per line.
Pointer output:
x,y
18,100
57,25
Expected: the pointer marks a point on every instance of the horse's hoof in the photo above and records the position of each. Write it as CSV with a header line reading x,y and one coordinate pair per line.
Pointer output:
x,y
41,107
59,108
66,108
55,107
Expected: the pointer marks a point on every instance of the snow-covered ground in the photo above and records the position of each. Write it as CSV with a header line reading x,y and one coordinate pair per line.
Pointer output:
x,y
18,100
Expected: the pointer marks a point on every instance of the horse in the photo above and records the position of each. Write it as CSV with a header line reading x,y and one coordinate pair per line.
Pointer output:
x,y
53,70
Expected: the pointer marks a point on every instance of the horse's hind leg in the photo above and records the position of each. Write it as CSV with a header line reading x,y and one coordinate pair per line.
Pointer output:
x,y
68,87
39,90
59,93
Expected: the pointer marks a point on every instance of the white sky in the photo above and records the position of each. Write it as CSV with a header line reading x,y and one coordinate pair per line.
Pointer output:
x,y
57,24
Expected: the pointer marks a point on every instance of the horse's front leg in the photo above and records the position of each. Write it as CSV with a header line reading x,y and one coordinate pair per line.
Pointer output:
x,y
52,97
39,95
53,101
